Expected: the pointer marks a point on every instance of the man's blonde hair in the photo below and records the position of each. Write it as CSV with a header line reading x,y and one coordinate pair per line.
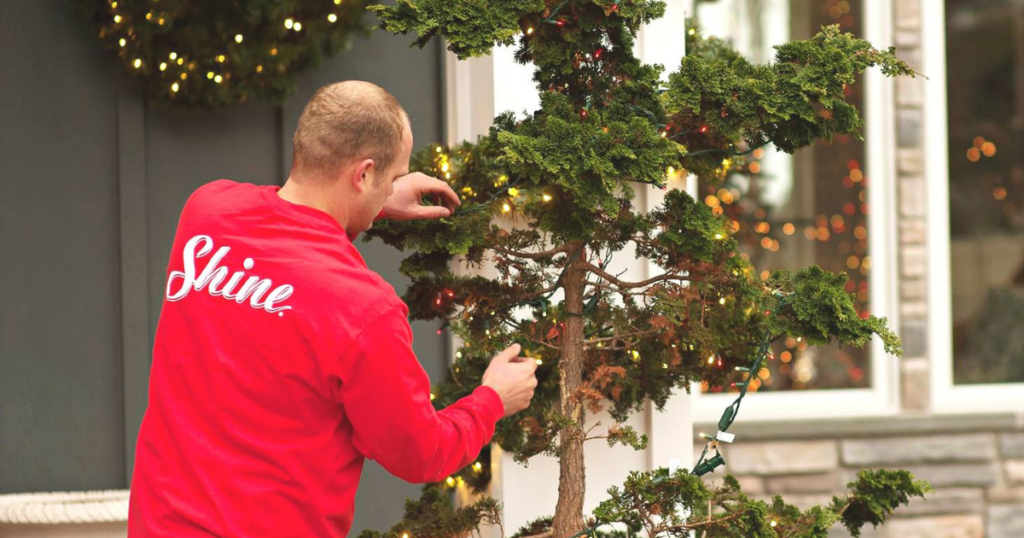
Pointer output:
x,y
347,121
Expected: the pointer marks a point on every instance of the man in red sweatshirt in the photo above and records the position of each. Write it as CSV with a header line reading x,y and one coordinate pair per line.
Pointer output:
x,y
281,361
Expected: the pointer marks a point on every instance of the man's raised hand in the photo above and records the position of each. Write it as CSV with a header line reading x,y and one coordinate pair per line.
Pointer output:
x,y
404,202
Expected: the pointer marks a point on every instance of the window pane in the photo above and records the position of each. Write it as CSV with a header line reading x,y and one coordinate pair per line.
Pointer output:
x,y
985,66
806,209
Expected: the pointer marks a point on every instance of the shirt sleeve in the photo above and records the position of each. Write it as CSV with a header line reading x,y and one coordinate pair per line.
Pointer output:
x,y
385,393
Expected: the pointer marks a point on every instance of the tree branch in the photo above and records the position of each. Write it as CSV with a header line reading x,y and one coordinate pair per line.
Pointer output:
x,y
533,255
626,284
619,336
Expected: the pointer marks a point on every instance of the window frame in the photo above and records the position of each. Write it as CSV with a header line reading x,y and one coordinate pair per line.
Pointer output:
x,y
882,398
946,397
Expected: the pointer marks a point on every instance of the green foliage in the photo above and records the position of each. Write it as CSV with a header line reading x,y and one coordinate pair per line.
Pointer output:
x,y
821,309
875,495
661,503
626,436
471,27
187,53
434,515
534,527
790,103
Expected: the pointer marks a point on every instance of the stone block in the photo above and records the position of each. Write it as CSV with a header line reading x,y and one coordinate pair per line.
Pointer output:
x,y
1014,471
906,39
1005,521
915,392
911,55
1005,494
913,231
975,447
805,483
908,127
947,475
914,334
782,457
909,91
963,526
913,290
914,309
946,501
1012,445
910,161
907,13
913,261
913,199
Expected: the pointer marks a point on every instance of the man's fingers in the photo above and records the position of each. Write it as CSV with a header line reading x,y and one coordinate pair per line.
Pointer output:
x,y
436,186
532,363
508,353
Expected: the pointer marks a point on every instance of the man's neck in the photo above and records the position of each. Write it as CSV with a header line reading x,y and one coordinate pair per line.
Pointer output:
x,y
297,193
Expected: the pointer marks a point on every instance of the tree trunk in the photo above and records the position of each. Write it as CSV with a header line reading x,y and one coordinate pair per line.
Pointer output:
x,y
572,476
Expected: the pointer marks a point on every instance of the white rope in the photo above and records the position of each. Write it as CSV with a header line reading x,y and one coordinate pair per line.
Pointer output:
x,y
65,507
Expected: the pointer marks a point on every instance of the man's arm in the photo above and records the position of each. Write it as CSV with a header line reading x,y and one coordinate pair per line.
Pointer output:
x,y
386,396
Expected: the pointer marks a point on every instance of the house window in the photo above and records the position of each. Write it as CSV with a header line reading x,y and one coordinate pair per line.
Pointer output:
x,y
985,108
810,208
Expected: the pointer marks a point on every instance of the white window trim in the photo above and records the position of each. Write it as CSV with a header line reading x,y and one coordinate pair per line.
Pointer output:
x,y
946,397
882,399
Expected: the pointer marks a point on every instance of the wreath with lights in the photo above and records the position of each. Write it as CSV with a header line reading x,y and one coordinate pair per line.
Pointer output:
x,y
222,52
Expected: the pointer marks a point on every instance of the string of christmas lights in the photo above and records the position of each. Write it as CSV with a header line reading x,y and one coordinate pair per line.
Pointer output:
x,y
217,53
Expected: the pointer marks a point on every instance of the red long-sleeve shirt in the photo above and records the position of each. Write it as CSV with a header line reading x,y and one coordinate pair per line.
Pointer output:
x,y
281,362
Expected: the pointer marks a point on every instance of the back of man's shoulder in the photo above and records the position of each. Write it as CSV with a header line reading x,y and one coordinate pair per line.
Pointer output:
x,y
213,189
218,199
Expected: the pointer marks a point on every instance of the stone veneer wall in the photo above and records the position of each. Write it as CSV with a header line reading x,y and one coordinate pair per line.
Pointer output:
x,y
976,463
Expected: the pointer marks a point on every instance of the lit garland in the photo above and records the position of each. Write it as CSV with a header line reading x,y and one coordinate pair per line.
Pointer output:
x,y
218,53
705,465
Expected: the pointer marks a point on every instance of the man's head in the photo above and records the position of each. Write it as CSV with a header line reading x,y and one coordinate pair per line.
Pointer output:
x,y
353,140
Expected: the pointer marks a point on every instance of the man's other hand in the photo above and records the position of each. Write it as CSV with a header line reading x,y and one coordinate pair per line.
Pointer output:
x,y
512,377
404,202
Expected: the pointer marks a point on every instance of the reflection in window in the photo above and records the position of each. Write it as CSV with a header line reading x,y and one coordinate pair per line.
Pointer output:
x,y
985,66
790,212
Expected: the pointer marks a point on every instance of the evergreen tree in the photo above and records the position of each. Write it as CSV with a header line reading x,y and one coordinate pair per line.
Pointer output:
x,y
565,174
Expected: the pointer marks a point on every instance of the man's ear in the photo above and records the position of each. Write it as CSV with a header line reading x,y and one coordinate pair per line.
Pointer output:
x,y
362,175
